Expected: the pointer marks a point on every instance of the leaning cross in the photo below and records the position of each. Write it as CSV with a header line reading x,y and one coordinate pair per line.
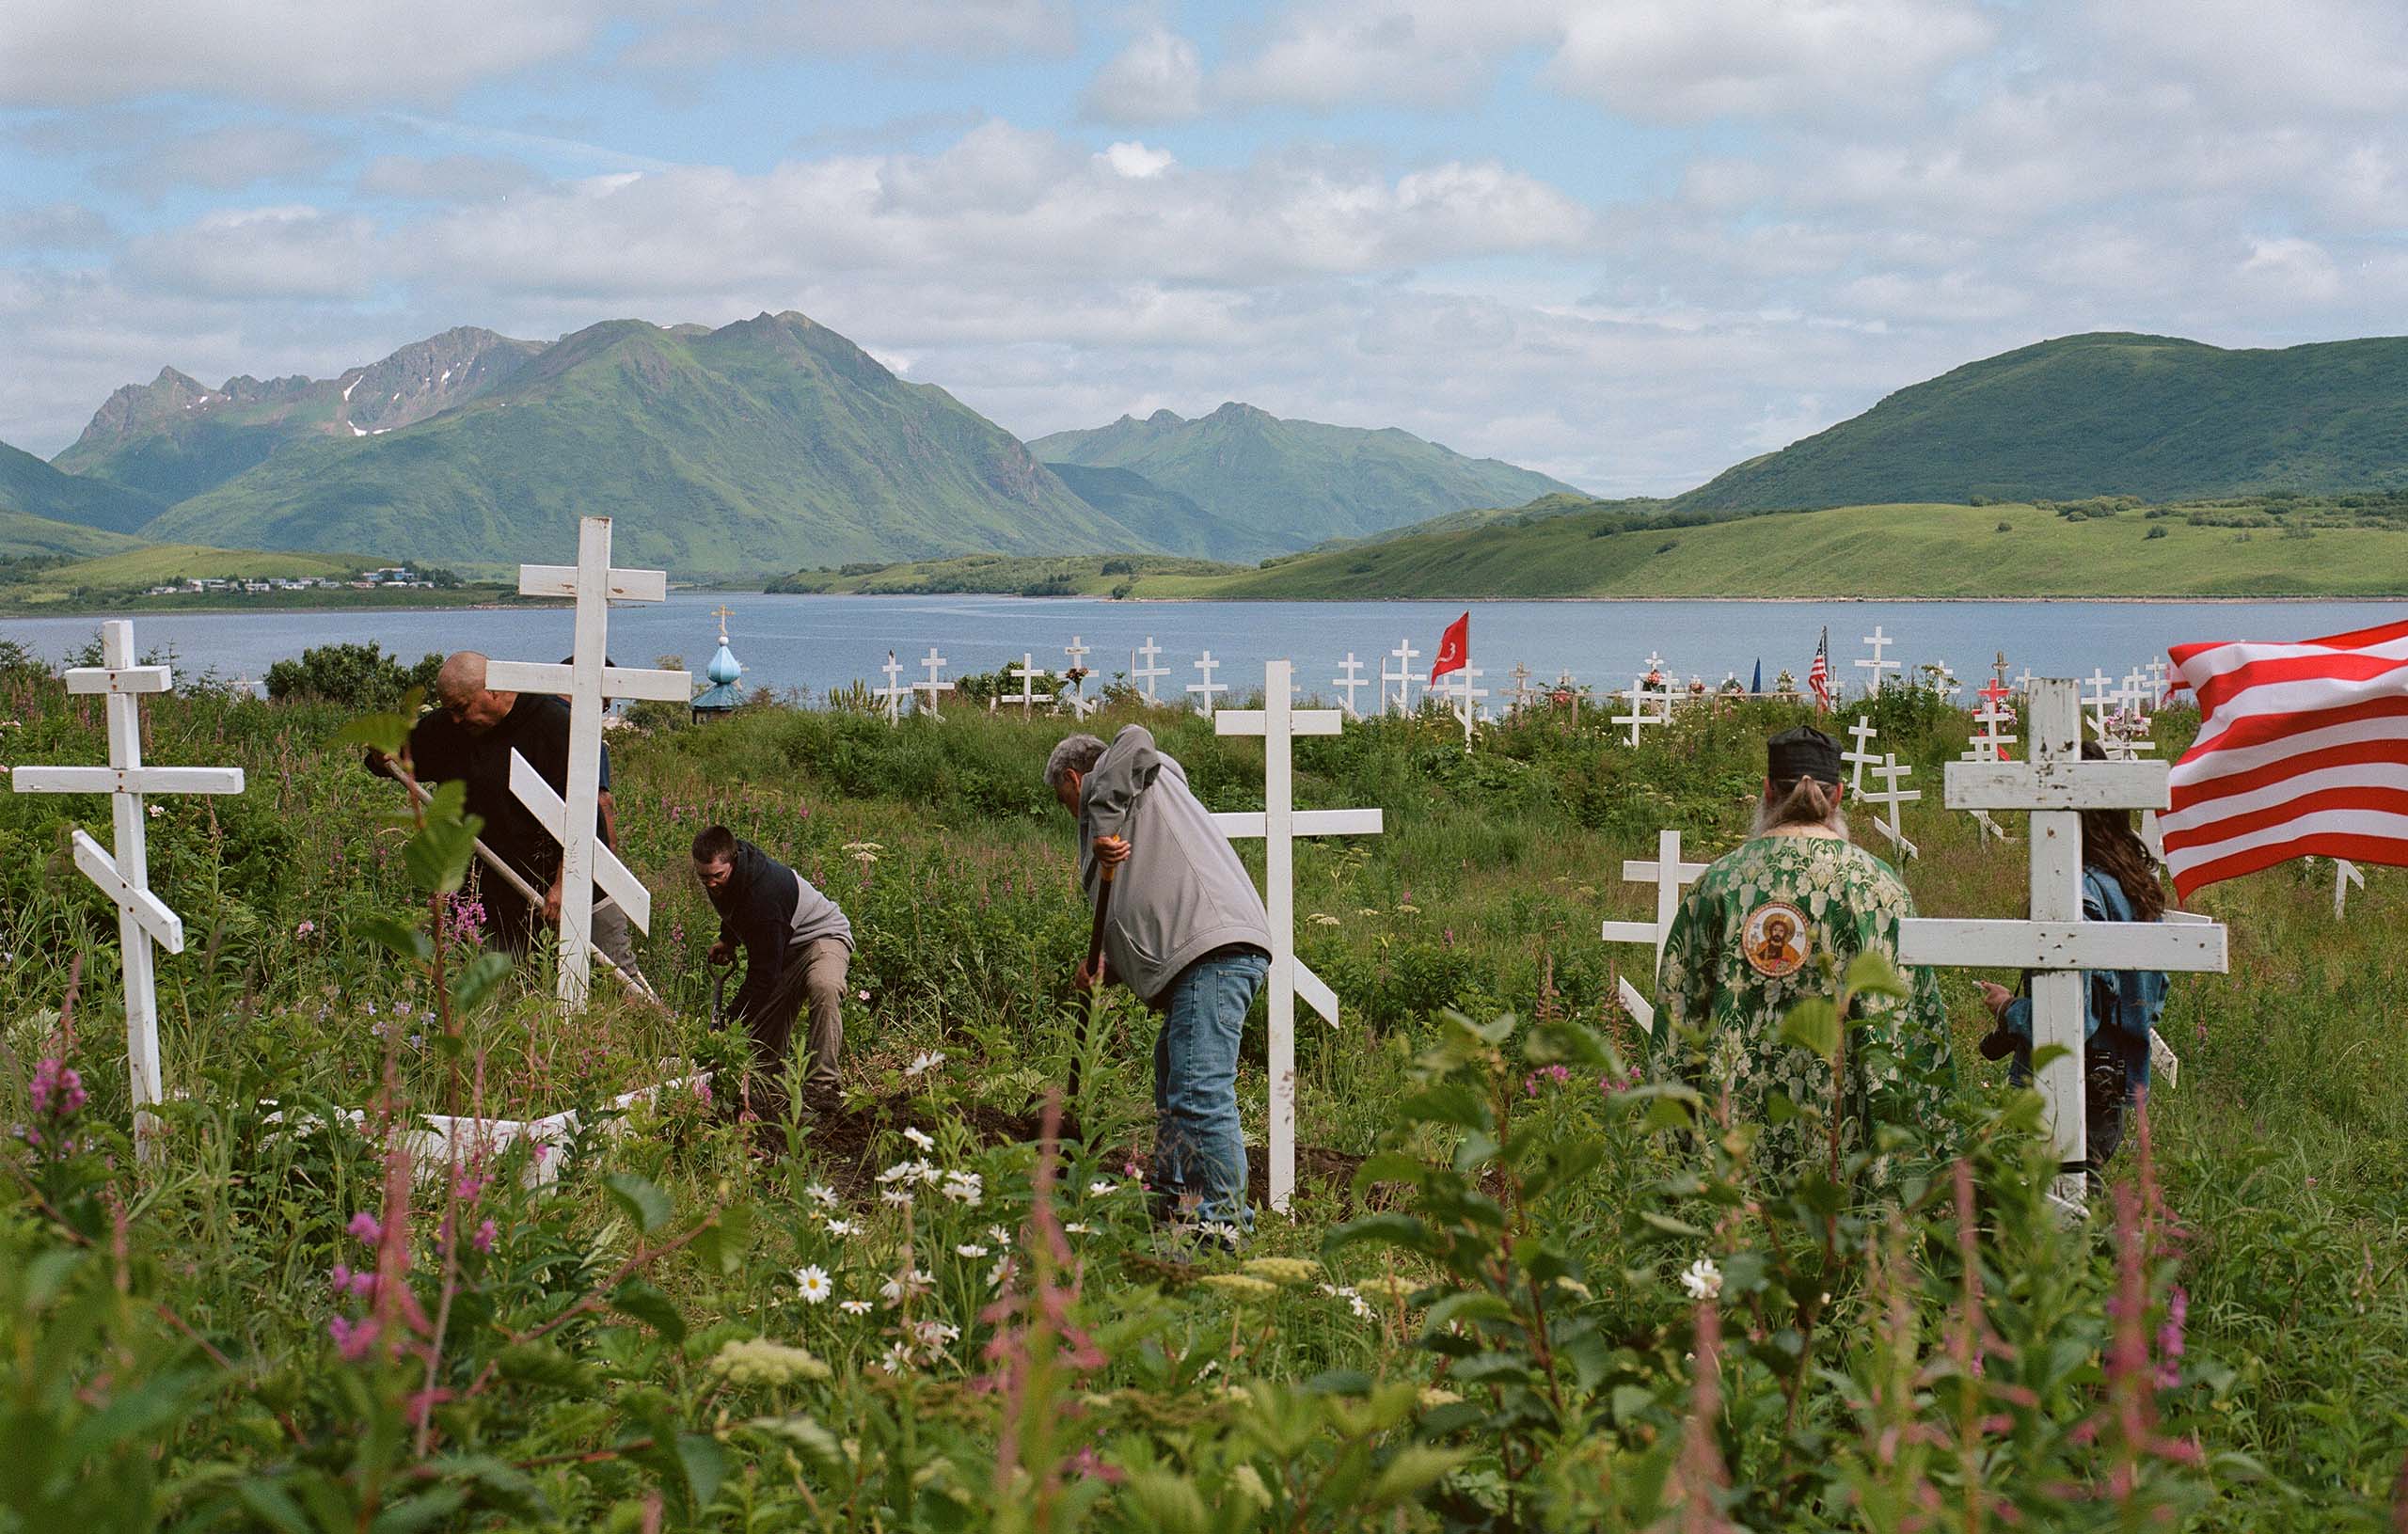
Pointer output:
x,y
2056,785
1403,676
1350,684
586,680
1890,798
1278,722
1026,673
1146,674
933,664
1668,873
894,691
1862,734
1205,689
2345,873
143,918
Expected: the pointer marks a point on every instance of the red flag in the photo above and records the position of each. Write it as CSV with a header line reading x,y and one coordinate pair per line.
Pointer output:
x,y
1819,679
2303,749
1454,648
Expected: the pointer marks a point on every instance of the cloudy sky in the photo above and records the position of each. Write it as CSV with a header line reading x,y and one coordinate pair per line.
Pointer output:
x,y
1627,242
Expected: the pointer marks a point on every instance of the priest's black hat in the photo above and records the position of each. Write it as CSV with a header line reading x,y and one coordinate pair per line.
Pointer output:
x,y
1802,752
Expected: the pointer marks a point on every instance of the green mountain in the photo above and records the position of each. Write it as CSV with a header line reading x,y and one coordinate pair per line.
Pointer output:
x,y
25,536
765,444
1166,520
2147,415
1289,485
33,488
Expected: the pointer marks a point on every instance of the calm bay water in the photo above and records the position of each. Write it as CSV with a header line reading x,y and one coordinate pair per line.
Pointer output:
x,y
819,642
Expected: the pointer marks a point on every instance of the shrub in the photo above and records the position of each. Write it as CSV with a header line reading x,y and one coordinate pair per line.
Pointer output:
x,y
2003,526
359,676
2153,533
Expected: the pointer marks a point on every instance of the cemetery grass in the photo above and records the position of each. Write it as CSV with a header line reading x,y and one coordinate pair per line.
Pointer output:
x,y
186,1347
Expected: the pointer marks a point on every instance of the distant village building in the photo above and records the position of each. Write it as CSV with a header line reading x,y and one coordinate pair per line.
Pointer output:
x,y
725,692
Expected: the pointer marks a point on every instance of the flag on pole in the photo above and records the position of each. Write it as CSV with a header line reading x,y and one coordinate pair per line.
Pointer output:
x,y
1756,684
1819,678
2303,749
1454,649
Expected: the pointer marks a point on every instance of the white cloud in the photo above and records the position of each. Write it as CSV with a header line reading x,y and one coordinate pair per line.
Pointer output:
x,y
223,159
287,252
1136,162
1156,78
446,178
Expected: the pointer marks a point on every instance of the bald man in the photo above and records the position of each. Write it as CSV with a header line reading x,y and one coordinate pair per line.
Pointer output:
x,y
467,738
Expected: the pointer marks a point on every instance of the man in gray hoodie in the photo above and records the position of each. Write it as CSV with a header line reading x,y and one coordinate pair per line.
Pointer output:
x,y
1187,935
797,944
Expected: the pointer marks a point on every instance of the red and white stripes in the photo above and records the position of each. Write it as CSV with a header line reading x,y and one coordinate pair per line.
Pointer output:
x,y
2303,749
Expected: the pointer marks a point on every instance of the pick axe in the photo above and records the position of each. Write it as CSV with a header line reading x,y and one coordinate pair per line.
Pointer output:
x,y
1095,992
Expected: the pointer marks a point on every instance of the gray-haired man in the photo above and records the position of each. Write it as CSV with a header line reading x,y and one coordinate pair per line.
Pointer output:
x,y
1188,935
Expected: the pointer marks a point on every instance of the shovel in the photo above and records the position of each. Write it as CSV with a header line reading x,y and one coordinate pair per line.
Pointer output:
x,y
1095,993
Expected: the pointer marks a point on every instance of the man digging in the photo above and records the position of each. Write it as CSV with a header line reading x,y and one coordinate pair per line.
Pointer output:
x,y
1187,934
798,946
467,738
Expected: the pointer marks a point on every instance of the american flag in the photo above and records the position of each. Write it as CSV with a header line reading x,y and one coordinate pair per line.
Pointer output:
x,y
2303,749
1819,678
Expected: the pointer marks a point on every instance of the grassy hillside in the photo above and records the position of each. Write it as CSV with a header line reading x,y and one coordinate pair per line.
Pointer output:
x,y
1001,575
1294,483
32,488
114,578
1886,551
2147,415
760,445
25,536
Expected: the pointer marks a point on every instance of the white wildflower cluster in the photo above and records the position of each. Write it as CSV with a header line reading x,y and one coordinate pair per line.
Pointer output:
x,y
969,1249
919,1137
759,1361
923,1062
1703,1279
908,1285
1354,1299
967,1189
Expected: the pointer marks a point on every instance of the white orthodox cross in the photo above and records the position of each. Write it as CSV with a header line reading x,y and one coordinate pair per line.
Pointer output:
x,y
1990,745
1350,684
933,664
1879,641
2056,785
1026,673
1639,717
124,876
1564,684
2101,701
2156,681
1403,676
1205,689
1466,699
1668,873
1861,734
1655,663
1520,693
2345,873
1077,695
586,679
2023,683
1278,722
1146,674
894,691
1890,797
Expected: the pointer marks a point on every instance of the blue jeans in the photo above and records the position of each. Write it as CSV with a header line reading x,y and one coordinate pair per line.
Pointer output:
x,y
1200,1149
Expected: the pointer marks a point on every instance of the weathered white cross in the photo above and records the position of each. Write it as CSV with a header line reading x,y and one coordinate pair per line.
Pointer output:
x,y
1350,684
1026,673
1077,695
1668,873
2056,785
1862,734
1466,699
1639,717
1566,687
1278,722
143,918
586,679
894,691
1990,744
2345,873
2101,701
1655,663
1403,676
1520,696
1890,797
1205,689
934,665
1879,641
1146,674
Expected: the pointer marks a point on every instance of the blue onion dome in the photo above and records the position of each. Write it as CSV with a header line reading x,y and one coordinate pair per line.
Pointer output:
x,y
723,668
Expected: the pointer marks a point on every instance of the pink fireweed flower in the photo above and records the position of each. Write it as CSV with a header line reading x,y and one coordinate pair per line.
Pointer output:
x,y
365,1229
306,929
56,1090
482,1239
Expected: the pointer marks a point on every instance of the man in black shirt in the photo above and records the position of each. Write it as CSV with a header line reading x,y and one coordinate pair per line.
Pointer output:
x,y
797,946
467,738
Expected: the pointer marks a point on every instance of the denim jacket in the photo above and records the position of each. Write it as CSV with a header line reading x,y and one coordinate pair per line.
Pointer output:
x,y
2119,1006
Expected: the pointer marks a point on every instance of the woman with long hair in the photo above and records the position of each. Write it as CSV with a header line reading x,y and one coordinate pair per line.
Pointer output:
x,y
2119,1006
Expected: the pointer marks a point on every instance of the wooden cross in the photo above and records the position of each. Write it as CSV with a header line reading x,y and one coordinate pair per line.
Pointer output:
x,y
722,612
2101,700
1668,873
1278,722
1655,663
1026,673
1566,686
1205,689
1467,699
2056,785
894,691
1520,694
1403,676
1638,717
1350,684
933,664
1146,674
1879,641
1990,745
1890,798
124,876
2156,681
586,679
1998,668
1077,695
2345,873
1862,734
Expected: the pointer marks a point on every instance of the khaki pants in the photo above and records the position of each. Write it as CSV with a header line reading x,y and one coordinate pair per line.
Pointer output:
x,y
614,939
814,977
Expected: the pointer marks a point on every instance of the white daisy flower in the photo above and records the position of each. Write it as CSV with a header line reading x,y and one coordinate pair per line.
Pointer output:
x,y
898,1358
814,1283
1000,1236
969,1249
926,1061
898,1197
1703,1279
821,1194
919,1137
1097,1190
854,1307
1077,1227
1000,1271
841,1227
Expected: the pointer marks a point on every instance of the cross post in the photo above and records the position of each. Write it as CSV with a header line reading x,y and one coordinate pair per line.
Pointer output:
x,y
1879,641
1350,684
1890,798
1026,673
1076,696
933,664
1467,699
2345,873
123,872
1278,722
588,679
1149,674
1403,676
892,694
1205,689
1860,734
1669,874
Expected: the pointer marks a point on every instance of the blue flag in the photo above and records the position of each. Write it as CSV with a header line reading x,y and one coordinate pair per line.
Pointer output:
x,y
1757,686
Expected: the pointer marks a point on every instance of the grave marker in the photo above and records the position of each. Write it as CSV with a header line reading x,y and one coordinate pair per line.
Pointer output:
x,y
1075,679
1520,695
1026,673
1466,699
2055,785
1861,734
1403,676
1990,744
1278,722
933,664
1669,874
586,680
1890,797
1879,641
894,691
2345,873
1149,674
1350,684
1639,717
123,871
1205,689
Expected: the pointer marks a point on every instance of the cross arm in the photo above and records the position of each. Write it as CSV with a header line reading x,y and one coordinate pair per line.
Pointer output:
x,y
2062,945
1644,870
663,686
622,586
1237,825
145,780
528,676
2059,784
551,813
1628,932
119,679
145,908
1250,721
1314,992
